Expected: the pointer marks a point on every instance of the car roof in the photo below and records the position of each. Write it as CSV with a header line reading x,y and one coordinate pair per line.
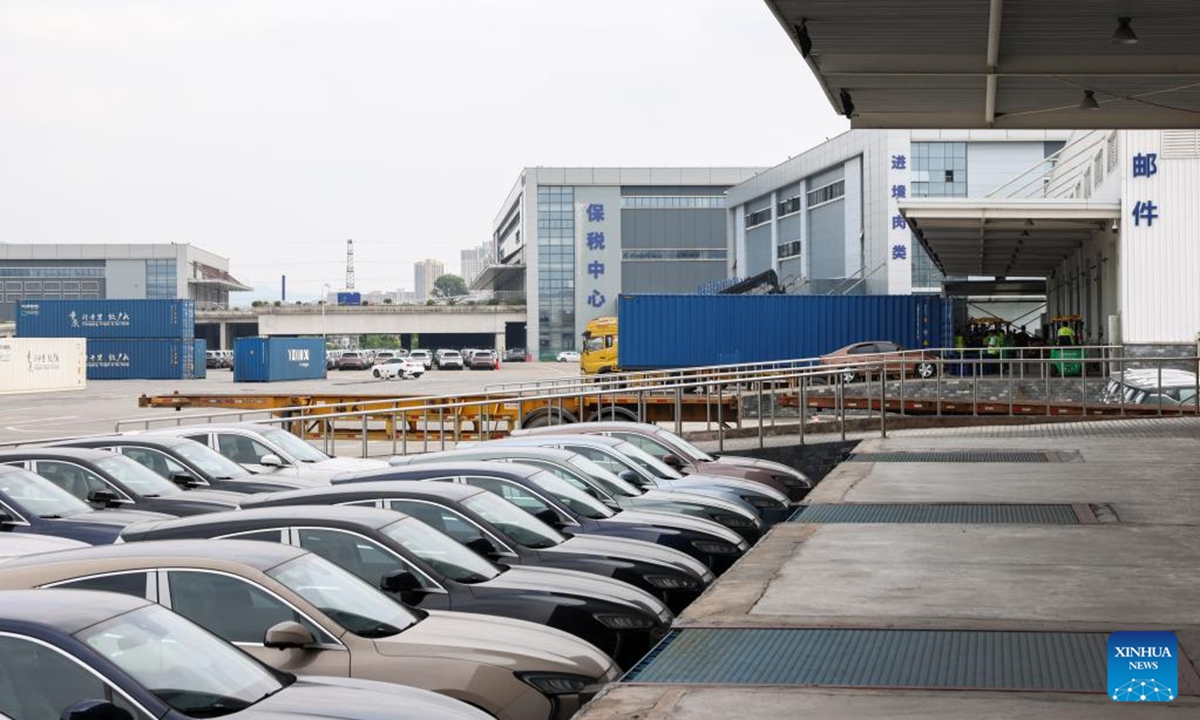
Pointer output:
x,y
449,466
504,451
139,439
21,544
207,427
1147,378
325,514
585,428
67,611
261,556
56,453
577,438
448,491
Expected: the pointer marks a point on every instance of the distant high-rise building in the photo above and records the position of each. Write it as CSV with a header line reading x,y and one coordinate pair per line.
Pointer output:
x,y
425,273
475,260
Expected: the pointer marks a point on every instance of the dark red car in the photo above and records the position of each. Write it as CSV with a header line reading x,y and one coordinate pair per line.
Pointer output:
x,y
897,359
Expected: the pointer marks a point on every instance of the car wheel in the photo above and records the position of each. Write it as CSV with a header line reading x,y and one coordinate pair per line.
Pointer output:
x,y
926,370
849,376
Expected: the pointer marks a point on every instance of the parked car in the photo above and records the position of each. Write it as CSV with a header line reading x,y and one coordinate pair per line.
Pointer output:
x,y
216,359
423,356
383,356
430,570
398,368
13,545
354,360
618,494
561,505
678,453
514,355
448,360
79,655
1150,386
635,478
300,613
32,505
504,533
894,358
567,356
189,463
482,360
110,480
331,358
268,450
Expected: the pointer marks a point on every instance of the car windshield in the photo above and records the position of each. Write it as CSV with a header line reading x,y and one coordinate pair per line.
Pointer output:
x,y
211,463
194,672
577,500
294,446
137,477
345,598
648,462
604,477
523,528
690,451
40,496
441,551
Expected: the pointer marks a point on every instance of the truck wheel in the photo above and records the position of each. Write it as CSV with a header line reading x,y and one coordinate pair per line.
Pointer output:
x,y
548,416
617,414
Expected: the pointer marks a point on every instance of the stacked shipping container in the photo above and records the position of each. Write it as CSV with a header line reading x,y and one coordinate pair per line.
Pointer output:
x,y
126,339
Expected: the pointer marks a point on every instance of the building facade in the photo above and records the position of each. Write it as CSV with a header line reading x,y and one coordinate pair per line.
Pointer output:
x,y
112,271
424,275
573,239
475,260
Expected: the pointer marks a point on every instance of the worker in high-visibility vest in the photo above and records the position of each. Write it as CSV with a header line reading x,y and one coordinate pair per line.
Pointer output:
x,y
1066,335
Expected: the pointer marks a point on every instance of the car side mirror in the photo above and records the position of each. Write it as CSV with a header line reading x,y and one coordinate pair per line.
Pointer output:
x,y
104,497
286,635
270,461
483,546
672,460
96,709
549,517
400,581
185,481
630,476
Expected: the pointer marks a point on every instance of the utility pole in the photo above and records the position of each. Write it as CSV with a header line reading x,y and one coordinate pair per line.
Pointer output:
x,y
349,264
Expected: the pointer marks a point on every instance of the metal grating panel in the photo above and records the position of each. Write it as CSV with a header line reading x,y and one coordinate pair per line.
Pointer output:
x,y
934,659
965,456
939,513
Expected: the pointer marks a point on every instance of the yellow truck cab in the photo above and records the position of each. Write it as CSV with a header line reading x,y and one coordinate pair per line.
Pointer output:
x,y
599,354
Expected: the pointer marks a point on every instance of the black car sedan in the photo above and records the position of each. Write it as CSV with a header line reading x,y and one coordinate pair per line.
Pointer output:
x,y
83,655
107,479
506,534
32,504
185,462
426,568
572,511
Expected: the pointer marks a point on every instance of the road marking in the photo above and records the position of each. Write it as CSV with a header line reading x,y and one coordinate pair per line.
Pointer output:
x,y
45,420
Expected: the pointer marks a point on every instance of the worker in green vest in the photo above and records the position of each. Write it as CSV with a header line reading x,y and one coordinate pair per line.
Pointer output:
x,y
1066,335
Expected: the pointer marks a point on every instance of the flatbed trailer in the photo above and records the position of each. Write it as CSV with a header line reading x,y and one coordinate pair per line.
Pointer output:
x,y
465,417
921,406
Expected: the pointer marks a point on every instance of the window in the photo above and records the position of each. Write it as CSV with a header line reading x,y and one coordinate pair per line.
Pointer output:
x,y
827,193
672,202
440,518
39,683
161,279
231,607
689,254
274,535
515,494
242,449
758,217
201,438
556,269
788,206
158,461
134,583
789,249
79,482
364,557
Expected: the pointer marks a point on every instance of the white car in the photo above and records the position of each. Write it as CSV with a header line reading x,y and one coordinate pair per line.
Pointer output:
x,y
398,368
568,356
424,356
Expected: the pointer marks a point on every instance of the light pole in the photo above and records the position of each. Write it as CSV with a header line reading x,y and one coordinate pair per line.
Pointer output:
x,y
324,301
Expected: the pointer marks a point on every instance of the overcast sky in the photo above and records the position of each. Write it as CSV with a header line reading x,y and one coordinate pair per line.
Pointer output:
x,y
269,131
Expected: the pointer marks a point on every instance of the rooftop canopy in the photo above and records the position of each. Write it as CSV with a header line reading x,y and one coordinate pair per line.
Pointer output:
x,y
1045,64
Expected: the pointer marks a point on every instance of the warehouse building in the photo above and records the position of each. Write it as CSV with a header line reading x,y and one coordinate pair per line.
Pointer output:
x,y
573,239
113,271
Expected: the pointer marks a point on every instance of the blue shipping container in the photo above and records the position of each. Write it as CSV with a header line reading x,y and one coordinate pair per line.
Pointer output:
x,y
161,359
107,319
662,331
271,359
349,298
200,360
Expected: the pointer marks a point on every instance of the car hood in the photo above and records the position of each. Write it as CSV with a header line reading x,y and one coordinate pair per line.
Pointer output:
x,y
580,584
741,461
720,500
626,549
676,521
117,517
346,699
213,497
737,486
503,642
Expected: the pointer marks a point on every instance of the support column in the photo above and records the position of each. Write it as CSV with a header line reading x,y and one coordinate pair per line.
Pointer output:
x,y
499,345
223,331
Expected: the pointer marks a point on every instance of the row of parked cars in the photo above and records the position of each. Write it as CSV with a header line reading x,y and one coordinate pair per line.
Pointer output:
x,y
237,569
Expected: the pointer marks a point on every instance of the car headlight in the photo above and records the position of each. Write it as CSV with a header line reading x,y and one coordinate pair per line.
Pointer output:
x,y
671,582
622,621
733,521
762,503
555,683
793,483
713,547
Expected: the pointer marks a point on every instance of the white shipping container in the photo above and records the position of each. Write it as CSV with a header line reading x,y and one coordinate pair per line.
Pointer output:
x,y
30,365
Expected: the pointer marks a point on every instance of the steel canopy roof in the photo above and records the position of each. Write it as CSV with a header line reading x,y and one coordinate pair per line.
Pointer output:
x,y
1019,64
1004,237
